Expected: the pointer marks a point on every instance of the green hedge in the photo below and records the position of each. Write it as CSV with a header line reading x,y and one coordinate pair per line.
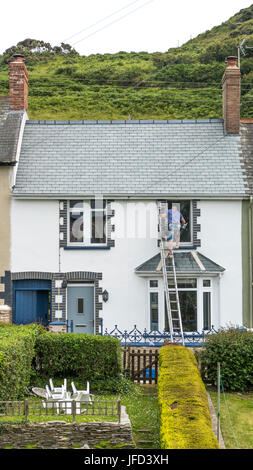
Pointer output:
x,y
233,348
78,355
185,416
17,349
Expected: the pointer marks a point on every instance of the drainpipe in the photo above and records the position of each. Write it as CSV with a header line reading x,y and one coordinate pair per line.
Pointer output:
x,y
250,262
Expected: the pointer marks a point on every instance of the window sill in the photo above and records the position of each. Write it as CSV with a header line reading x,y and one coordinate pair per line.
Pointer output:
x,y
105,247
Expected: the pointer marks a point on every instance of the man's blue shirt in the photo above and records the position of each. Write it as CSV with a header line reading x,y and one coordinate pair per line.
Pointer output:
x,y
174,217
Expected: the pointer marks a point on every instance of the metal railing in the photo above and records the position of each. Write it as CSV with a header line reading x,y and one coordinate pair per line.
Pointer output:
x,y
156,338
27,409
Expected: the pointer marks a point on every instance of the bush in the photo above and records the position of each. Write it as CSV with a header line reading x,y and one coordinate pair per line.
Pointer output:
x,y
233,348
185,416
78,355
16,354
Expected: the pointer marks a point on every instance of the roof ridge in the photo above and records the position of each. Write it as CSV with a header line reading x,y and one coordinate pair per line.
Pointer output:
x,y
137,121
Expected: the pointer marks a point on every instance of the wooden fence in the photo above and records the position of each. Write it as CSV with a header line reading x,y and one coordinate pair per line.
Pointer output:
x,y
141,365
31,409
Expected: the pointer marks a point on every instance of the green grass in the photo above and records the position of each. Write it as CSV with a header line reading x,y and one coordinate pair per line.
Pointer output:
x,y
182,83
236,419
143,411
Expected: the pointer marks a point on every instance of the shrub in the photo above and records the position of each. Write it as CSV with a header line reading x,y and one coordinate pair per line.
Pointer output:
x,y
233,348
78,355
16,353
185,416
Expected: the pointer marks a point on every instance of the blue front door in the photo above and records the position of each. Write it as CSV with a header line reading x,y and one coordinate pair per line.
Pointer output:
x,y
80,309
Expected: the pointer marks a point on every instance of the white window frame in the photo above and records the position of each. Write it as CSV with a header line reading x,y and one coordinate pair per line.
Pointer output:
x,y
207,289
150,291
87,221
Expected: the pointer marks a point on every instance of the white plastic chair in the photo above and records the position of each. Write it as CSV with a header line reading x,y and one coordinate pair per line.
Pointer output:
x,y
51,401
58,389
81,395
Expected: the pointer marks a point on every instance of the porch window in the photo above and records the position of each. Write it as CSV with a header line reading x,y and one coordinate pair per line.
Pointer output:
x,y
187,291
87,222
207,304
154,311
153,305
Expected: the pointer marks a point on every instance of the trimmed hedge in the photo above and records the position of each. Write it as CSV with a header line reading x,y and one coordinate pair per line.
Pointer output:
x,y
78,355
185,416
233,348
17,349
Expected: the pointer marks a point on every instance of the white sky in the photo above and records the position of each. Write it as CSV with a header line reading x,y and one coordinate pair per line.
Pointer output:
x,y
159,25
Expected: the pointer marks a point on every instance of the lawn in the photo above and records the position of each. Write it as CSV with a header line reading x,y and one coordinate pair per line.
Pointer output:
x,y
236,419
143,411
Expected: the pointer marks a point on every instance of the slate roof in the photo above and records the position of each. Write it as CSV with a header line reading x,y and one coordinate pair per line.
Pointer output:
x,y
10,122
142,158
246,132
185,263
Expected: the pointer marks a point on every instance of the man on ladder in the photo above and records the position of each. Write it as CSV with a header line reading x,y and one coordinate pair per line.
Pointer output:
x,y
176,221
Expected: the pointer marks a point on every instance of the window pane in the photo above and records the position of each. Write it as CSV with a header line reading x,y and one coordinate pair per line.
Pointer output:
x,y
75,204
98,203
98,227
183,283
154,311
76,227
185,209
206,283
80,306
188,306
153,283
207,310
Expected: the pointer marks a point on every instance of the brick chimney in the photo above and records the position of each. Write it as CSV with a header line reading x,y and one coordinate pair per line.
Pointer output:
x,y
231,96
18,83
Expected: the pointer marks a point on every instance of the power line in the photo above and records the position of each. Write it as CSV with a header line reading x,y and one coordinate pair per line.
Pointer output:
x,y
102,19
112,22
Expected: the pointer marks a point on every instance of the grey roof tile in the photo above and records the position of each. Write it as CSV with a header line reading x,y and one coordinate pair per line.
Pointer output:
x,y
10,122
184,262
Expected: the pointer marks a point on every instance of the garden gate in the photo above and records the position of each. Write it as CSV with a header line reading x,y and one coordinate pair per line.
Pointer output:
x,y
141,365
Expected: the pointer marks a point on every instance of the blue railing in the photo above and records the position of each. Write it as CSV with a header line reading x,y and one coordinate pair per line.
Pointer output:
x,y
156,338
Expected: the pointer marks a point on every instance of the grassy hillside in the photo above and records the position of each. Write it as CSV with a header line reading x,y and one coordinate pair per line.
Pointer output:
x,y
183,83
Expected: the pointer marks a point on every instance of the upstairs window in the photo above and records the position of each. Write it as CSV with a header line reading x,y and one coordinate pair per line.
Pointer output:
x,y
87,222
185,208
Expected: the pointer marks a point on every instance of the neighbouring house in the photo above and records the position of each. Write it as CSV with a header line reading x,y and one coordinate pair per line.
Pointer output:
x,y
84,239
12,119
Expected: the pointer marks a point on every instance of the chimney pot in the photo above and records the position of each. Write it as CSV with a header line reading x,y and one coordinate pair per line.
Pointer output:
x,y
19,57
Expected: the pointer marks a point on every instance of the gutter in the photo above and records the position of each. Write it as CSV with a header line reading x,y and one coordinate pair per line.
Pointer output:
x,y
129,197
8,163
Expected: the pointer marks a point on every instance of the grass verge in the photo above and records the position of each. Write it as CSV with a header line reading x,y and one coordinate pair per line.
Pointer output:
x,y
236,419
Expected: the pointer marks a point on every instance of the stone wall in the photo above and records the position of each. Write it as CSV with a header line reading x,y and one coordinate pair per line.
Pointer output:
x,y
5,314
62,435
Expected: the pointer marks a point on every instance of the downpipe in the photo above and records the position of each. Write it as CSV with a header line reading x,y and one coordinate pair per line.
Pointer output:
x,y
250,263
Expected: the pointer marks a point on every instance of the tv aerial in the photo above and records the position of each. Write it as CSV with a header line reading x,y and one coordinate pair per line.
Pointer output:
x,y
241,50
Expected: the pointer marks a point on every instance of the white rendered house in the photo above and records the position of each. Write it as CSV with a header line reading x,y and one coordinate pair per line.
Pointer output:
x,y
85,244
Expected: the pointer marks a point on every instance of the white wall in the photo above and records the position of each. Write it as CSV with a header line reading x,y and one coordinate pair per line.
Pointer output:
x,y
35,247
221,241
34,235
